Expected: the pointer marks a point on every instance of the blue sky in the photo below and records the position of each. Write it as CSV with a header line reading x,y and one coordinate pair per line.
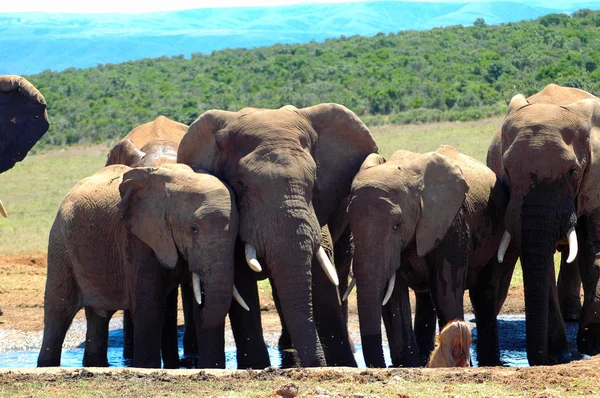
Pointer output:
x,y
140,6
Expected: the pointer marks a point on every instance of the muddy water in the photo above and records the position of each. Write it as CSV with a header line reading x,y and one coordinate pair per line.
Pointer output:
x,y
511,331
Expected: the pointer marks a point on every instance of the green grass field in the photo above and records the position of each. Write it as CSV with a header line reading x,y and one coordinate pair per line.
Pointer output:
x,y
33,190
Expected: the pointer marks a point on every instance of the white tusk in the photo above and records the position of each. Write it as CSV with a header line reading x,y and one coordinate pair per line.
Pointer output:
x,y
572,238
239,299
327,266
390,290
253,263
503,246
350,287
197,289
3,210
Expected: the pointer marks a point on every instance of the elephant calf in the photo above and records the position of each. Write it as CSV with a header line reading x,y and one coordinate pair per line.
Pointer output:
x,y
432,222
122,239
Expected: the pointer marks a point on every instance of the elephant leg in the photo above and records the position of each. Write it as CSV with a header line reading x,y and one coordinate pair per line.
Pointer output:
x,y
558,349
569,288
150,302
425,323
61,303
398,326
330,320
487,296
169,341
246,326
96,339
211,343
127,335
343,251
190,340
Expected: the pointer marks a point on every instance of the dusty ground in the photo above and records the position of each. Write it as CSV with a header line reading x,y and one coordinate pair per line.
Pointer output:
x,y
22,281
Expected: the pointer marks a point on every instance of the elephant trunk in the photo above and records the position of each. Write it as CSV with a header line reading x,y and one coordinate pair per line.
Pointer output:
x,y
216,279
370,291
293,285
288,246
539,233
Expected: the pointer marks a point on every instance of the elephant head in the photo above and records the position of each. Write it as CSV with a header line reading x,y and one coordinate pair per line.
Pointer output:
x,y
150,144
183,215
545,154
290,169
23,121
412,199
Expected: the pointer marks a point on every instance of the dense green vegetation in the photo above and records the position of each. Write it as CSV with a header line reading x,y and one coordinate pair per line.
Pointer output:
x,y
454,73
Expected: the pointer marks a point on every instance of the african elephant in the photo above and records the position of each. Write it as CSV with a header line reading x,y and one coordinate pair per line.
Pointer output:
x,y
289,169
151,145
23,121
121,240
546,153
431,222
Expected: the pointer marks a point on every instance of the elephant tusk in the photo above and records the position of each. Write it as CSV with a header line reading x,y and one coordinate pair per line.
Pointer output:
x,y
390,290
503,246
349,290
572,238
239,299
3,210
253,263
197,289
327,266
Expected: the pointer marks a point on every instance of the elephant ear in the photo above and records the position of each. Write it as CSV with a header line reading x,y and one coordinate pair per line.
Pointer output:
x,y
23,119
589,196
143,208
517,102
342,145
443,192
373,159
124,152
199,147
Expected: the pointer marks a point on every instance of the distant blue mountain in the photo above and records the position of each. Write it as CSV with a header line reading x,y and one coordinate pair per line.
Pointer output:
x,y
33,42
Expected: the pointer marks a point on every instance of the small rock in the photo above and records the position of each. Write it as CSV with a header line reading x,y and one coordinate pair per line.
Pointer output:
x,y
288,390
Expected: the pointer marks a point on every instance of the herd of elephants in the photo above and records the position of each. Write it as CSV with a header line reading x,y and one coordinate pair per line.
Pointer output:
x,y
301,197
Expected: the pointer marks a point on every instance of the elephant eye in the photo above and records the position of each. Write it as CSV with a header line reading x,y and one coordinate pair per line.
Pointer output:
x,y
194,229
243,185
397,227
573,171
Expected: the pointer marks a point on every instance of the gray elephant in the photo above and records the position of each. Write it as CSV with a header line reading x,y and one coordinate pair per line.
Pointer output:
x,y
289,168
432,222
121,240
546,154
153,144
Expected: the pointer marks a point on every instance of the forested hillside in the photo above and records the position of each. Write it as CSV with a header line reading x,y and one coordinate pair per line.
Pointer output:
x,y
453,73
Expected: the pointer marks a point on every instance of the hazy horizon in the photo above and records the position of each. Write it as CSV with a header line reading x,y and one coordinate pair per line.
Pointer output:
x,y
116,6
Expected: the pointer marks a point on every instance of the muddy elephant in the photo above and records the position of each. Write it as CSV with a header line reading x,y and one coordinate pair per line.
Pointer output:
x,y
121,240
431,222
546,153
23,121
151,145
289,168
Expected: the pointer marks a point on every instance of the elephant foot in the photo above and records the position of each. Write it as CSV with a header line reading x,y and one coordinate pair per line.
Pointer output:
x,y
290,359
189,361
571,317
285,341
